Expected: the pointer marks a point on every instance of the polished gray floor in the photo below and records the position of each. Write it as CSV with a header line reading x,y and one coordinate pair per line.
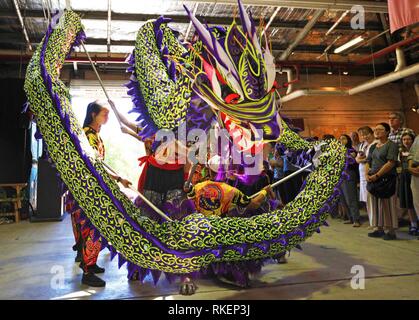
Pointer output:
x,y
36,262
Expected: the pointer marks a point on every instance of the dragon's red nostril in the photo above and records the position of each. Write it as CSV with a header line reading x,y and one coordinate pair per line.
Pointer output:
x,y
232,98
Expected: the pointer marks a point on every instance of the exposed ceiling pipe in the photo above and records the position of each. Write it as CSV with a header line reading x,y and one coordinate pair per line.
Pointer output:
x,y
337,23
385,51
190,23
109,30
290,78
401,60
303,33
390,77
387,78
325,52
25,33
270,20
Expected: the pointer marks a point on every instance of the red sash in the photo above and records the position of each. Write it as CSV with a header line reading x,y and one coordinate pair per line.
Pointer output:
x,y
150,160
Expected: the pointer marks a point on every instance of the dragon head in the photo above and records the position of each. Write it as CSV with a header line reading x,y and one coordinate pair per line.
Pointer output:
x,y
236,73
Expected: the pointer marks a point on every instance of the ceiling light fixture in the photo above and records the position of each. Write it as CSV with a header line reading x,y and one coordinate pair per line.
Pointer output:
x,y
349,44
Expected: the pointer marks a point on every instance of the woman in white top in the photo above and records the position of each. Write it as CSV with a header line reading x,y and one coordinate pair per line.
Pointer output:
x,y
367,136
356,144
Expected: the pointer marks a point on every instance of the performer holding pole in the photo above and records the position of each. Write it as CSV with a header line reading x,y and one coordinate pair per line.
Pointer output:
x,y
87,249
126,127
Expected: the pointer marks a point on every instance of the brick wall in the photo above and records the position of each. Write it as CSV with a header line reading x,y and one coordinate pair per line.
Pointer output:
x,y
343,114
409,99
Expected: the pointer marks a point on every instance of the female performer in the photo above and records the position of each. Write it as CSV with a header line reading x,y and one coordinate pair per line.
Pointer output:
x,y
87,249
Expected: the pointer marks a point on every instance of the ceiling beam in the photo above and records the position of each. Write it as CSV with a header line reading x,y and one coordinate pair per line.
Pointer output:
x,y
12,39
109,27
276,23
369,6
303,33
22,24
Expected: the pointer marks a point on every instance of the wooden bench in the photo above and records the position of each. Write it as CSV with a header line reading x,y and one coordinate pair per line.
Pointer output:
x,y
17,201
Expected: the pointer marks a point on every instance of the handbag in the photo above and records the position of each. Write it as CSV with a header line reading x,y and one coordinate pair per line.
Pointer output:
x,y
384,187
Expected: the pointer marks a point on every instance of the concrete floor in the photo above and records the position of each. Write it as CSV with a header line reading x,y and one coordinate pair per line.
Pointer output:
x,y
34,255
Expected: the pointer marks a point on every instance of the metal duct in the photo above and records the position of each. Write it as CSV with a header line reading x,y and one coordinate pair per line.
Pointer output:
x,y
401,60
390,77
290,78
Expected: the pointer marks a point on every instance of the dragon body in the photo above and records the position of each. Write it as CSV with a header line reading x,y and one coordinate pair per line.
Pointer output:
x,y
176,247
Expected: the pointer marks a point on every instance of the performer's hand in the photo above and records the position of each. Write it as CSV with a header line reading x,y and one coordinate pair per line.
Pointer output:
x,y
372,178
414,171
187,187
124,129
268,189
125,183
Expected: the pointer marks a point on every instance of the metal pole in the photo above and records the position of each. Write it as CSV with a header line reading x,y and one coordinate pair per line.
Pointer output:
x,y
102,85
190,23
337,22
161,213
270,20
285,179
22,24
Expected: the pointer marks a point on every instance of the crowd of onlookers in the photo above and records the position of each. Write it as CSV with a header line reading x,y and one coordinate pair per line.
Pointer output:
x,y
384,177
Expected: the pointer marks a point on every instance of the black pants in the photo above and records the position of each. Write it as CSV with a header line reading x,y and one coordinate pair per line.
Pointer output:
x,y
290,189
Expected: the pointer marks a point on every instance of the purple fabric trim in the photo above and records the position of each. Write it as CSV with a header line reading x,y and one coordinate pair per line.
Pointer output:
x,y
25,107
148,128
38,135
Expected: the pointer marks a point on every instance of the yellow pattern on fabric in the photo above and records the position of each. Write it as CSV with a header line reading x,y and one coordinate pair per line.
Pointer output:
x,y
217,198
95,141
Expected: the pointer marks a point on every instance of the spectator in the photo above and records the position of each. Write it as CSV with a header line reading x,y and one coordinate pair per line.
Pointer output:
x,y
404,190
277,164
381,167
349,189
413,161
367,135
396,122
355,141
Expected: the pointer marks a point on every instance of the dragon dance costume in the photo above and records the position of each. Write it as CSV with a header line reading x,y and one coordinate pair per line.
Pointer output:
x,y
217,198
161,182
229,71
